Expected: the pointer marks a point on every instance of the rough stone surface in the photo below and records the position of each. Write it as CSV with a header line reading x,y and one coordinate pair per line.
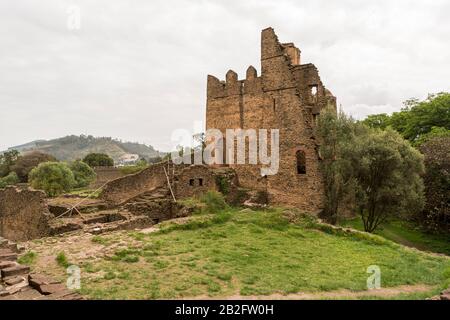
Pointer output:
x,y
104,175
287,96
23,214
16,282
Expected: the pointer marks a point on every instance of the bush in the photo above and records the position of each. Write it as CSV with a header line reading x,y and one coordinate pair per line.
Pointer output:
x,y
214,201
10,179
223,184
82,173
52,177
98,160
28,162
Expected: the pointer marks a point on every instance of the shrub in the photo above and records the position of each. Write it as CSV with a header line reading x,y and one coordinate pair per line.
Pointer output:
x,y
82,173
98,160
10,179
223,184
214,201
52,177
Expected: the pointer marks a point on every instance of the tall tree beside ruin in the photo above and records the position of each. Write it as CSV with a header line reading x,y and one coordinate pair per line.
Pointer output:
x,y
336,132
375,172
387,172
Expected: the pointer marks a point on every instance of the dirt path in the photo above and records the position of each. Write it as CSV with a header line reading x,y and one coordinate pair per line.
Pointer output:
x,y
336,294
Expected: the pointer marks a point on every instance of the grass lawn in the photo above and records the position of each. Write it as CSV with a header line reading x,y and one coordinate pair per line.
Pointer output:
x,y
249,253
407,234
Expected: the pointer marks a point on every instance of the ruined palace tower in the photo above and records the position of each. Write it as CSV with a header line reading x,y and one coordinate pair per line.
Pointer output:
x,y
287,96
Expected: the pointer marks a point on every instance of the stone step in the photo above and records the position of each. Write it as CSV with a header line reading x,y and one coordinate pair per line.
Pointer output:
x,y
8,256
7,264
15,271
10,281
47,289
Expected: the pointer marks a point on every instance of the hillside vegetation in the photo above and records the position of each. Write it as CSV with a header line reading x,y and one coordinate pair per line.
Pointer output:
x,y
73,147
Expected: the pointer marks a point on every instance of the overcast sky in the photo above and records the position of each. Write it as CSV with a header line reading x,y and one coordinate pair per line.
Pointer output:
x,y
136,70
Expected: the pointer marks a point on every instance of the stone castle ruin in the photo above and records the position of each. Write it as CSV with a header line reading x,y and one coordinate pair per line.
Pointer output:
x,y
287,96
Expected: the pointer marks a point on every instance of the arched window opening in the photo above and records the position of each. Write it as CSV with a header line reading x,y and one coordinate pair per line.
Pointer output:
x,y
301,162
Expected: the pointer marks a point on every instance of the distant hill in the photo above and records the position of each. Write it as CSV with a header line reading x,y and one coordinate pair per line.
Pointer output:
x,y
73,147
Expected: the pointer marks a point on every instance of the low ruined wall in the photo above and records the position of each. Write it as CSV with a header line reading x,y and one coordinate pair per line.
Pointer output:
x,y
105,174
194,180
23,214
122,189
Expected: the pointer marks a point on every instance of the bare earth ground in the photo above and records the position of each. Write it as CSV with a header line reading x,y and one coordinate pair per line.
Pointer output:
x,y
337,294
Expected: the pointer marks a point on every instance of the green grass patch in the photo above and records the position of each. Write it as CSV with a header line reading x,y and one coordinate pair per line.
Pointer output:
x,y
61,260
28,258
406,233
256,253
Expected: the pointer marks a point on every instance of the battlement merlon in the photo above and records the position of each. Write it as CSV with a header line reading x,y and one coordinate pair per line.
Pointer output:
x,y
281,68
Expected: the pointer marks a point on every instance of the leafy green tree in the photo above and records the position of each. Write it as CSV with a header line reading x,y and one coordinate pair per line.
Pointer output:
x,y
29,161
10,179
375,172
82,173
336,132
418,120
7,160
436,214
98,160
387,172
435,132
54,178
380,121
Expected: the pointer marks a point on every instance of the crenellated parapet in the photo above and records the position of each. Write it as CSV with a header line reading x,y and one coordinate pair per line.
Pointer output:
x,y
233,86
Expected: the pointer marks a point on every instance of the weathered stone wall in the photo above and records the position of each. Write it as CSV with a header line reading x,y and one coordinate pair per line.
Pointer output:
x,y
122,189
287,96
23,214
194,180
105,174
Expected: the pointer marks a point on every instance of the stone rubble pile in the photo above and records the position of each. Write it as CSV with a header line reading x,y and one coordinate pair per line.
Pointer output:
x,y
17,283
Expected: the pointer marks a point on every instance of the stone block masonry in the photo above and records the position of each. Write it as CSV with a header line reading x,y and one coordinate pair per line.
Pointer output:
x,y
287,96
24,214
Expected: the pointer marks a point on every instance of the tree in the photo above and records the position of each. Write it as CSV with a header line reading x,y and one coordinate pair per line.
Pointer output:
x,y
83,174
27,162
436,214
10,179
418,120
380,121
98,160
375,171
52,177
336,131
7,159
387,172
